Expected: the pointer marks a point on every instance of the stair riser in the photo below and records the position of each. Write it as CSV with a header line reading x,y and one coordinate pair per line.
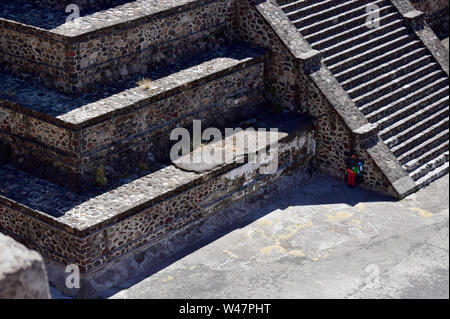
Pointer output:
x,y
405,104
363,46
430,166
378,92
386,68
353,72
412,73
412,155
406,124
317,32
333,20
308,14
398,95
294,5
369,55
340,38
434,177
359,39
401,137
434,153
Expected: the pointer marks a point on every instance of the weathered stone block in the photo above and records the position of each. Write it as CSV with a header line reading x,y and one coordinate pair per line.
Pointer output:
x,y
22,272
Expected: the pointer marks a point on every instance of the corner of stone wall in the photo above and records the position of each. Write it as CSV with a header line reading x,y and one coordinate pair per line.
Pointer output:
x,y
394,180
22,272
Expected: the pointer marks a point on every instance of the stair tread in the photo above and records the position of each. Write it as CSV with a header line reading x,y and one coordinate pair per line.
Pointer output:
x,y
361,36
290,4
423,146
416,137
331,8
390,73
415,114
438,157
436,151
399,79
386,66
410,45
418,124
433,175
327,29
403,88
308,7
377,48
359,27
422,90
364,44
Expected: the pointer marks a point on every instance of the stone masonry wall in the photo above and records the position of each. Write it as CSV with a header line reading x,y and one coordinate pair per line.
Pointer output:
x,y
81,57
69,155
101,243
22,272
33,54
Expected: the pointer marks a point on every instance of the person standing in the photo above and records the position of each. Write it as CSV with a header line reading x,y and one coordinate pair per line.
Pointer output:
x,y
355,169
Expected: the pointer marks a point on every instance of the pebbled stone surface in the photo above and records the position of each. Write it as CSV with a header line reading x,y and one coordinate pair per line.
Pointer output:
x,y
121,94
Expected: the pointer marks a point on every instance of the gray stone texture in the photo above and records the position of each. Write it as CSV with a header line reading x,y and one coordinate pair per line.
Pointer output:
x,y
22,272
71,107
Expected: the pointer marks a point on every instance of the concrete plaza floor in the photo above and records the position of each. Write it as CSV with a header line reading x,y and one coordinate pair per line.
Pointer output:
x,y
319,240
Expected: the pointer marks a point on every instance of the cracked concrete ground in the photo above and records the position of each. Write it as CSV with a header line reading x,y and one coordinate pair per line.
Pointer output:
x,y
319,240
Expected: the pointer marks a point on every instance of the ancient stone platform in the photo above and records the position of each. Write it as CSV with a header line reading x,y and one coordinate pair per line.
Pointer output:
x,y
65,138
87,108
95,231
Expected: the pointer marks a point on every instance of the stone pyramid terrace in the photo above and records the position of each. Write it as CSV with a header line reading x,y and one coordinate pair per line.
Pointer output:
x,y
87,108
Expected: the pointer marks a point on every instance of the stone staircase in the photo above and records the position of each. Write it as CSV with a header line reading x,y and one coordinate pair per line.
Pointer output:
x,y
389,74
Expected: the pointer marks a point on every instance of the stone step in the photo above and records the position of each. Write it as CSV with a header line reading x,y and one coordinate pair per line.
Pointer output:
x,y
290,5
119,43
412,141
433,175
316,32
128,119
145,208
413,69
295,11
388,87
407,116
414,56
401,132
366,37
365,46
323,10
393,96
419,145
346,16
427,156
411,50
374,53
427,162
390,21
